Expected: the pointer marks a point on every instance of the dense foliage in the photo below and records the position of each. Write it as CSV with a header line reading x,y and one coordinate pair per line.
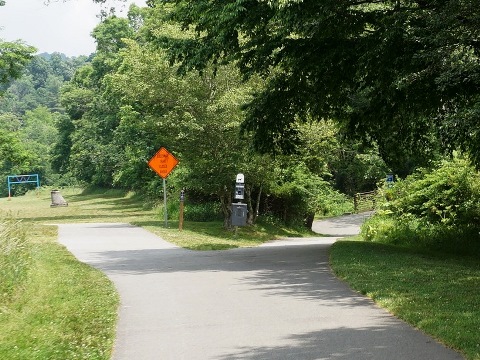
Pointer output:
x,y
129,101
118,107
401,73
13,58
437,208
30,113
131,97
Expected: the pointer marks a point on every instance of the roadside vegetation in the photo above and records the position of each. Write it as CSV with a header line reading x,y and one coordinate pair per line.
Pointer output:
x,y
432,209
51,306
420,254
436,293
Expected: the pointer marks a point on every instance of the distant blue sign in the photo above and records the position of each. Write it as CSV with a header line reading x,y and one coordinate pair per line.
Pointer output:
x,y
390,179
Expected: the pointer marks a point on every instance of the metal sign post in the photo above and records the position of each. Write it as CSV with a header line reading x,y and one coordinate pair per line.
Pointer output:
x,y
165,201
163,163
180,220
21,179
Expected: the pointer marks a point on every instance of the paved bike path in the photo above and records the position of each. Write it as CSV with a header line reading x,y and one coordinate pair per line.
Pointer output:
x,y
277,301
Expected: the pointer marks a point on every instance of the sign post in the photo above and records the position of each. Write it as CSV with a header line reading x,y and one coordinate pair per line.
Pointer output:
x,y
163,163
180,220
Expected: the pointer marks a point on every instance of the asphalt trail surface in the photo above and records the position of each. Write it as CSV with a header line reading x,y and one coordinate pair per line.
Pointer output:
x,y
277,301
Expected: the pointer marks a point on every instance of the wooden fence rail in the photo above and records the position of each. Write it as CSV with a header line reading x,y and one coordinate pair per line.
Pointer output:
x,y
364,201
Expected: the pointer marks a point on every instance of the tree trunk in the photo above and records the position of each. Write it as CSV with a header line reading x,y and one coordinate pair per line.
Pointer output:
x,y
248,195
226,204
309,221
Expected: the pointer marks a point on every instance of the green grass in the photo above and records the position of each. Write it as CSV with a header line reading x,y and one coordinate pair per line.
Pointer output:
x,y
59,308
107,206
66,310
212,235
438,294
118,206
15,257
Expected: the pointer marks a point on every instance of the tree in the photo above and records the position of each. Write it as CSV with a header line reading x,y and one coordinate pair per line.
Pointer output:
x,y
61,149
10,122
14,158
40,84
29,110
196,117
37,135
403,74
130,101
92,153
13,58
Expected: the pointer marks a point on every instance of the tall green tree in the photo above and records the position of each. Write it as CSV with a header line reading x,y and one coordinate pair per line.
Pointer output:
x,y
403,74
196,117
13,58
15,159
92,154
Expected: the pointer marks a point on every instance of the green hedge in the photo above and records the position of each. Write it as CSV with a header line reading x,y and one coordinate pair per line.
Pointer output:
x,y
435,209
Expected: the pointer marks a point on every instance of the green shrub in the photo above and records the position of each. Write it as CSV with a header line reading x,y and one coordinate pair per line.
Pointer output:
x,y
435,209
331,203
377,228
305,195
449,194
201,212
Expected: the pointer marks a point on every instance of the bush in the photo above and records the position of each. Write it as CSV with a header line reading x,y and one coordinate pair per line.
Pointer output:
x,y
330,203
449,194
305,195
201,212
437,209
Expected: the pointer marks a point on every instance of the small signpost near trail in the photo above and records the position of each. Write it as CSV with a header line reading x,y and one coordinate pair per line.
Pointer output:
x,y
163,163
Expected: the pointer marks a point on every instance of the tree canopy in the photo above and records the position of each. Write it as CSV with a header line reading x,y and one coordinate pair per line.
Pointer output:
x,y
30,113
13,58
98,120
405,74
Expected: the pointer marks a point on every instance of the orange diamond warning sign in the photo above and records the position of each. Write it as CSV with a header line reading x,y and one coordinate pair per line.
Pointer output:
x,y
163,162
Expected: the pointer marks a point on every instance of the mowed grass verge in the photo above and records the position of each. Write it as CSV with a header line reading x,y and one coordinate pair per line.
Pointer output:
x,y
62,309
438,294
59,307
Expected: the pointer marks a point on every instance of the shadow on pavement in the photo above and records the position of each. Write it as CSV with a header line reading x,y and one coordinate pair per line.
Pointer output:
x,y
299,271
363,343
